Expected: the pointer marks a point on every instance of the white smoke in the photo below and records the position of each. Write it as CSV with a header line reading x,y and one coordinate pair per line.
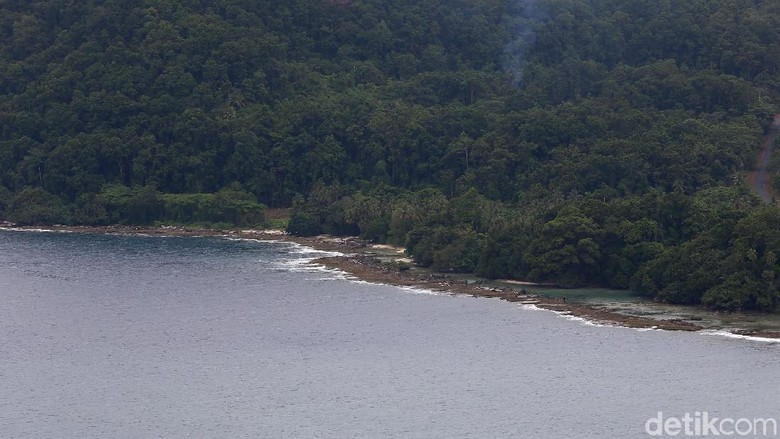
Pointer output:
x,y
526,15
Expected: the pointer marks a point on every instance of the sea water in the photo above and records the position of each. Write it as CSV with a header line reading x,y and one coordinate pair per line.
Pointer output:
x,y
146,337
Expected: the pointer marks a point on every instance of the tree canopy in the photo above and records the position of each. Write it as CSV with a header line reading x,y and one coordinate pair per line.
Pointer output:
x,y
578,142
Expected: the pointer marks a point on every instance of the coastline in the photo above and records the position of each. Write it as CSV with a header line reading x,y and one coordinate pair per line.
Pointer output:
x,y
362,260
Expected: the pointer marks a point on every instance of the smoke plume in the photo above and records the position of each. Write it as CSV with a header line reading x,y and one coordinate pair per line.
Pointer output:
x,y
526,15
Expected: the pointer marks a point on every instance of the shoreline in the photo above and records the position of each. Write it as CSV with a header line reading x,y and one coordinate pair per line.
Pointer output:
x,y
365,267
360,260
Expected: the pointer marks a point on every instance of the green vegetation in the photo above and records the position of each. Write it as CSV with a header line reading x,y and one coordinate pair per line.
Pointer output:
x,y
599,142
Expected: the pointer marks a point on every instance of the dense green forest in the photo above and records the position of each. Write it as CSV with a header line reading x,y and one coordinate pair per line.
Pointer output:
x,y
581,142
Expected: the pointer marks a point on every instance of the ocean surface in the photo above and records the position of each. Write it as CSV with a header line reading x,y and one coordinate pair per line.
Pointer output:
x,y
148,337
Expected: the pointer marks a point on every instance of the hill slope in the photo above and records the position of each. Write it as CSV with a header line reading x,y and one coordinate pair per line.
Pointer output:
x,y
581,142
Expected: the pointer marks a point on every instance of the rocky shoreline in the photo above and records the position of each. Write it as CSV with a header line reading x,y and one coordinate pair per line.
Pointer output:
x,y
359,259
368,268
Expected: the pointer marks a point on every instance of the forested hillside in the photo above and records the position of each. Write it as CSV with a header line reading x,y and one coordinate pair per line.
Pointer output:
x,y
582,142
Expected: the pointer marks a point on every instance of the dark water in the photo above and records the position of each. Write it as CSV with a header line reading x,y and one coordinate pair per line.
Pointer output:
x,y
138,337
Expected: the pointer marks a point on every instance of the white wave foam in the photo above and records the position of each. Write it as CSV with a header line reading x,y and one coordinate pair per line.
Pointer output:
x,y
531,307
343,275
584,321
301,265
565,315
418,290
587,322
300,249
302,260
233,238
305,263
356,280
334,274
408,289
728,334
652,328
315,253
292,247
264,241
36,230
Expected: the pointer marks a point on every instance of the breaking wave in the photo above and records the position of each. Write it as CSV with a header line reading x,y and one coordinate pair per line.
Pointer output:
x,y
727,334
